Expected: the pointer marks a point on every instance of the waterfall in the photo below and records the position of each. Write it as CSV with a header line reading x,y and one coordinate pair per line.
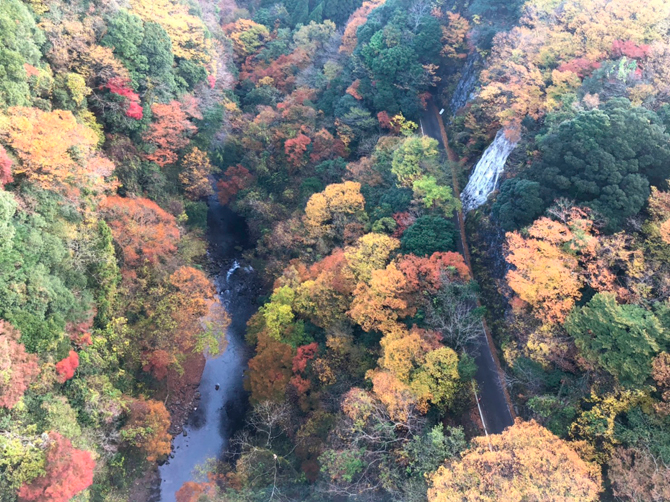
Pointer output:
x,y
485,175
466,85
232,270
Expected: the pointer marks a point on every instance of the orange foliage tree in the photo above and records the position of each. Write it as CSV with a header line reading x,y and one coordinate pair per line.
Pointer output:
x,y
192,492
525,462
45,143
17,368
356,20
67,472
5,167
379,304
270,369
430,272
454,37
169,132
143,230
183,316
545,276
187,300
147,428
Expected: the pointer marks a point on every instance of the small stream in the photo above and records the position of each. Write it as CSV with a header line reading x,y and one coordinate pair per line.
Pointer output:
x,y
219,413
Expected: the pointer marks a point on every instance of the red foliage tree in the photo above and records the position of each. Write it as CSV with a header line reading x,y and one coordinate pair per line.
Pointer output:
x,y
66,367
630,49
237,178
295,149
157,363
5,167
583,67
304,354
404,221
169,132
120,86
17,368
68,471
143,231
324,146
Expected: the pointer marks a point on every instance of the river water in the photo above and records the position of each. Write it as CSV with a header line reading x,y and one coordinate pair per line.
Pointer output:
x,y
219,413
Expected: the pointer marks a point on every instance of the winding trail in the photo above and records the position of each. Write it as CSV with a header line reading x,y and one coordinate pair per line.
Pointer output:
x,y
495,403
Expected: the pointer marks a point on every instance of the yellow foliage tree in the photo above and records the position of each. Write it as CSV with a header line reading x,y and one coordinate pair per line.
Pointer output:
x,y
371,252
195,175
56,152
526,463
190,38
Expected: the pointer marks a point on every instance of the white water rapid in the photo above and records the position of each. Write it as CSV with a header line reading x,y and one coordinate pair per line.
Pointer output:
x,y
484,178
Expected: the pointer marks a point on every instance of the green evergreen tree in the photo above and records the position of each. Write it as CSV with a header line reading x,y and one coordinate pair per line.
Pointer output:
x,y
621,339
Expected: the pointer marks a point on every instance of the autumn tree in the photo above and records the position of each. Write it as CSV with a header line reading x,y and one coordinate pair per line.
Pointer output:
x,y
379,303
68,471
295,150
545,276
147,428
189,35
46,142
17,368
184,316
192,491
247,36
270,369
637,476
169,132
328,212
454,37
236,178
370,252
356,20
5,167
525,462
144,232
414,158
196,170
66,367
431,272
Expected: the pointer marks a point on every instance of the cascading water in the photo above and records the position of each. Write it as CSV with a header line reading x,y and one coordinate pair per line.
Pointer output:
x,y
484,178
466,85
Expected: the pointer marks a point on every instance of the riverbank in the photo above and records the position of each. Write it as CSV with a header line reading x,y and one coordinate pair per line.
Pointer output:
x,y
210,405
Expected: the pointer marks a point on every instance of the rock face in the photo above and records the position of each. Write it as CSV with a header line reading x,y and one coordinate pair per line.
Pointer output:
x,y
466,85
486,173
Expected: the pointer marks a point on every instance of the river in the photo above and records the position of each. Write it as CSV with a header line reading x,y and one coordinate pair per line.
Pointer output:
x,y
219,413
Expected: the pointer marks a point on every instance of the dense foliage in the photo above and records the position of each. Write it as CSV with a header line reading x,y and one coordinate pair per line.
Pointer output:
x,y
312,120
